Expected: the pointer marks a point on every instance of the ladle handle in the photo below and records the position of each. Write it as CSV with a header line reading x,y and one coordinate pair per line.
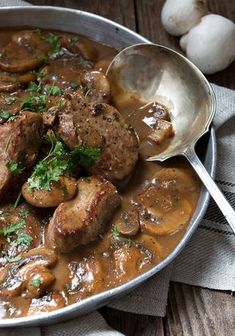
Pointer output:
x,y
215,192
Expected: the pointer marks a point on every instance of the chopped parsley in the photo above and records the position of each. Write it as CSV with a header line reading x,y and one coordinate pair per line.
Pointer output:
x,y
14,167
13,228
38,99
55,91
87,155
74,86
84,63
60,160
73,40
40,74
23,239
36,282
115,232
16,238
49,169
11,259
34,103
5,115
43,59
24,213
10,100
53,41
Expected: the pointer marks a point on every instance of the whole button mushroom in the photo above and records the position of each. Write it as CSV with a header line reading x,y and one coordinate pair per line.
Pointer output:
x,y
178,17
210,45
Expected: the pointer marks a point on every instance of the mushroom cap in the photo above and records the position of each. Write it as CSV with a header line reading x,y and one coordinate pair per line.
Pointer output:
x,y
210,45
178,17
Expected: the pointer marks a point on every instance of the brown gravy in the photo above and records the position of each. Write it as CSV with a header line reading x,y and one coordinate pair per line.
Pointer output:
x,y
164,196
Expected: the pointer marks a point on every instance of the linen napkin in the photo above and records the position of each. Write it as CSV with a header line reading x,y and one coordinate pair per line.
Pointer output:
x,y
207,261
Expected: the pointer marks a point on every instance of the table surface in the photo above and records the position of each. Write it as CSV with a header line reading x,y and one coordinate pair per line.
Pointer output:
x,y
191,311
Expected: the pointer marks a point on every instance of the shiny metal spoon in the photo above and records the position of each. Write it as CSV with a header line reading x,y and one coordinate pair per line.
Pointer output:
x,y
151,73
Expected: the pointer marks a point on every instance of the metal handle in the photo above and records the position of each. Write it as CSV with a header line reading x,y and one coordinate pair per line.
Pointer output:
x,y
215,192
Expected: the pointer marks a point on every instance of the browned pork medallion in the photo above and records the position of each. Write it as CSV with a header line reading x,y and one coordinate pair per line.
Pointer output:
x,y
80,210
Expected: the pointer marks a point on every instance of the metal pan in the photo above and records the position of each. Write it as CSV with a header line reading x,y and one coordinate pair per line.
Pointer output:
x,y
117,36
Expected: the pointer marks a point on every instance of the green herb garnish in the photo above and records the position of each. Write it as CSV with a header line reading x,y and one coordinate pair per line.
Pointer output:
x,y
87,155
13,228
73,40
11,259
49,169
40,74
10,100
59,160
53,40
5,115
74,86
24,213
14,167
23,239
55,91
115,232
34,103
43,59
36,283
84,63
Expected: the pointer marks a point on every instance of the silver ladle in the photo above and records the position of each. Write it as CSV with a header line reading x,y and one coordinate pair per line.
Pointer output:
x,y
154,73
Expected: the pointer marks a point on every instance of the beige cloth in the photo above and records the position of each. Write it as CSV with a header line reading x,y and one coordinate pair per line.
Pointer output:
x,y
207,261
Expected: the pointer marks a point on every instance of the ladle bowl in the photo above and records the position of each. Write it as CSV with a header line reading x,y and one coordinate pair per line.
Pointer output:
x,y
153,73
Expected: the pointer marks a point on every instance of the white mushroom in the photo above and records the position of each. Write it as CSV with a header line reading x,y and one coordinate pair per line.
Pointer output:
x,y
210,45
179,16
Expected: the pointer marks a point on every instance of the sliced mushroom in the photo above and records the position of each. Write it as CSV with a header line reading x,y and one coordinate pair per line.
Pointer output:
x,y
61,191
181,180
31,39
129,223
38,280
25,51
18,58
158,222
130,259
17,279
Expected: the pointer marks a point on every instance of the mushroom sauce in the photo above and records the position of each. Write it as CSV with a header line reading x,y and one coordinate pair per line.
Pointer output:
x,y
43,76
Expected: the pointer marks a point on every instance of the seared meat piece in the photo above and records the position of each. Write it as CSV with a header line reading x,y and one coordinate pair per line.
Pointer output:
x,y
80,221
120,146
101,125
19,143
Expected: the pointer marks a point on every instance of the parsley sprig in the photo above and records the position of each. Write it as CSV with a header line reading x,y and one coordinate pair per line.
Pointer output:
x,y
13,228
39,95
16,238
49,169
14,167
60,160
54,42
